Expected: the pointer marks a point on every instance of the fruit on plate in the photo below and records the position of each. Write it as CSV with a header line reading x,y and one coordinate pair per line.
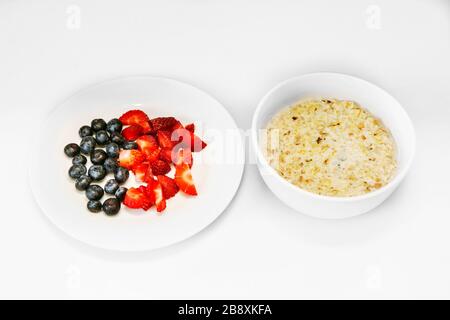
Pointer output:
x,y
158,151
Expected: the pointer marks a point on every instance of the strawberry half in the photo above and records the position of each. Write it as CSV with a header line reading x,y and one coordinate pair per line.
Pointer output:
x,y
136,117
154,191
140,171
135,198
169,187
165,139
163,123
147,144
132,132
130,158
183,179
160,167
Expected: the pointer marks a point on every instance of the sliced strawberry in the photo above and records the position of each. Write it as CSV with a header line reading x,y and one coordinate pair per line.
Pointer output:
x,y
182,156
136,198
166,155
140,171
136,117
197,144
163,123
169,187
165,139
130,158
188,140
160,167
147,144
183,179
149,175
153,155
132,132
154,191
190,127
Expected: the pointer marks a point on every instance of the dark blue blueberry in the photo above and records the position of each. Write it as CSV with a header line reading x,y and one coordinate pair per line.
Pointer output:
x,y
129,145
117,137
77,170
120,193
121,175
111,206
98,124
83,182
94,206
79,159
98,156
110,165
71,150
102,137
114,125
111,186
97,172
87,145
112,150
85,131
94,192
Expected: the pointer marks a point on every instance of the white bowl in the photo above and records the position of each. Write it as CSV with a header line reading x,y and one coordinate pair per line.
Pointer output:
x,y
340,86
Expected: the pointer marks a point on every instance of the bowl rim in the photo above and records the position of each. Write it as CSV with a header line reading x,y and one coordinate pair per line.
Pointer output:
x,y
261,160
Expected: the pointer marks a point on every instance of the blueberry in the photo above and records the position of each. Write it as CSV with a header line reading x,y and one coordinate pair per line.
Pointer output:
x,y
111,206
97,172
112,150
128,145
87,145
121,175
83,182
117,138
94,192
94,206
71,150
98,124
114,125
102,137
110,165
98,156
79,159
120,193
85,131
111,186
77,170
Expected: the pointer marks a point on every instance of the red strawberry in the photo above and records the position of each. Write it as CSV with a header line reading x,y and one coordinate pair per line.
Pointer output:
x,y
197,144
136,117
182,156
163,123
160,167
149,175
135,198
190,127
165,139
132,132
153,155
130,158
183,179
188,140
147,144
166,155
140,171
169,187
154,191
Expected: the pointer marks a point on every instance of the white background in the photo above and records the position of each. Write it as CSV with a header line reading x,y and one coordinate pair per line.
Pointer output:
x,y
236,51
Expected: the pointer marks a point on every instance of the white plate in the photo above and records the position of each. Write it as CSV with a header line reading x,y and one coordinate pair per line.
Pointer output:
x,y
217,178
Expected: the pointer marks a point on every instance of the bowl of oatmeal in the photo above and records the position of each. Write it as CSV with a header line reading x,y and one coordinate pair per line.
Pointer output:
x,y
331,145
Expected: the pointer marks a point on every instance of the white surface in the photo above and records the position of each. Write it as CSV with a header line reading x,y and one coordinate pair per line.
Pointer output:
x,y
334,86
235,51
137,230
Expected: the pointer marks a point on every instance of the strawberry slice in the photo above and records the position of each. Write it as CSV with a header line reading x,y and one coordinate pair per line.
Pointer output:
x,y
169,187
197,144
130,158
165,139
182,156
136,198
183,179
149,175
132,132
166,155
160,167
136,117
163,123
147,144
188,140
190,127
154,191
154,155
140,171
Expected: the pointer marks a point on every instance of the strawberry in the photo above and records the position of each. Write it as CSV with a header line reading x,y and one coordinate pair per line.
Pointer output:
x,y
153,155
188,140
183,179
165,139
149,175
163,123
169,187
166,155
197,144
136,117
132,132
160,167
190,127
147,144
130,158
182,156
135,198
140,171
154,191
